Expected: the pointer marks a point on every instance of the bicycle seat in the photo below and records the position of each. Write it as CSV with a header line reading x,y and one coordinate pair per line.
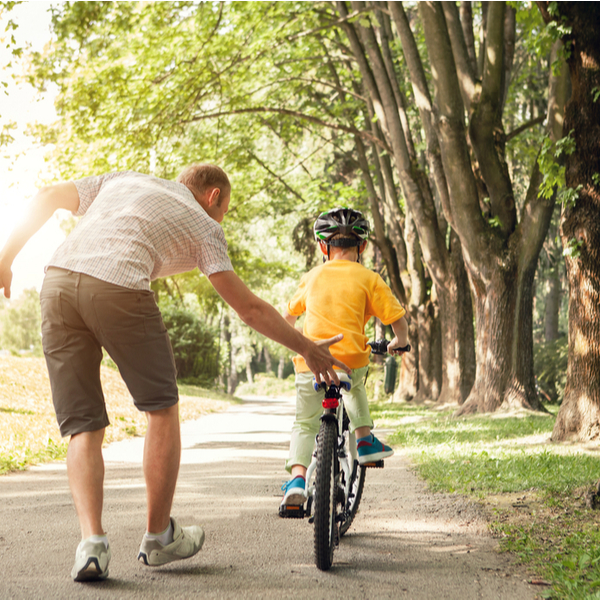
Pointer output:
x,y
345,382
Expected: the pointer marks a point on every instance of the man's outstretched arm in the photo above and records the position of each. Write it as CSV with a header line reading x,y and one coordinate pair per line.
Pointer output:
x,y
262,317
42,207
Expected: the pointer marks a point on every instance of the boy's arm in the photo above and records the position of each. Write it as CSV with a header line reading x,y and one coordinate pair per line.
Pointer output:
x,y
42,207
400,328
262,317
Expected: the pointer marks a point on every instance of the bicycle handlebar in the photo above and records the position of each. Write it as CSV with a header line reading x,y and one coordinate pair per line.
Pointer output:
x,y
381,347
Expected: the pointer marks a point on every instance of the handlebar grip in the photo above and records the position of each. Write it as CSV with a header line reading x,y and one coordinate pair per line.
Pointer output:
x,y
381,347
406,348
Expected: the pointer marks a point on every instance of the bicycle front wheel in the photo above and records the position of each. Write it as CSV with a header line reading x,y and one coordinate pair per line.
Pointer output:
x,y
325,496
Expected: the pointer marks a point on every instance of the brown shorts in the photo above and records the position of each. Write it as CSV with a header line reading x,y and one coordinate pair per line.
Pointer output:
x,y
80,315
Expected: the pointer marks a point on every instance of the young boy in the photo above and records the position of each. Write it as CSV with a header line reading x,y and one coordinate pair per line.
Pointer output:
x,y
339,296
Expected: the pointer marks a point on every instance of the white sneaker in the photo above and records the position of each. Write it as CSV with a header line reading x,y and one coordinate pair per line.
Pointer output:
x,y
187,541
91,561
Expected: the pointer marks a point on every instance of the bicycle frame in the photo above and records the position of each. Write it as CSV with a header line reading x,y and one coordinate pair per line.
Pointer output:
x,y
333,404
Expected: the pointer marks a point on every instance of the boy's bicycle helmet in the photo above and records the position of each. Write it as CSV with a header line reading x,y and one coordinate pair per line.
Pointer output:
x,y
345,221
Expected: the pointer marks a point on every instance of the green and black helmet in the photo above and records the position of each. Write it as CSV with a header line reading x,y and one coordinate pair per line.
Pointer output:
x,y
345,221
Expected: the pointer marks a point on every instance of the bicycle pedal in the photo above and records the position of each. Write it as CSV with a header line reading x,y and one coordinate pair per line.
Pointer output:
x,y
374,465
291,512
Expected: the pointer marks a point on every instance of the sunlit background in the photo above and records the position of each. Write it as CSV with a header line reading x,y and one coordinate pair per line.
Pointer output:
x,y
22,166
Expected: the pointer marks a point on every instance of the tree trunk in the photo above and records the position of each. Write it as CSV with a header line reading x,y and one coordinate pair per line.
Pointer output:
x,y
232,380
408,378
430,353
249,375
281,368
579,414
457,333
553,285
552,308
268,361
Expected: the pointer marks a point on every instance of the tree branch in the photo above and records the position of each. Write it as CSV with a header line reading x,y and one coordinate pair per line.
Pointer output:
x,y
493,66
290,113
515,132
467,219
466,74
466,21
277,177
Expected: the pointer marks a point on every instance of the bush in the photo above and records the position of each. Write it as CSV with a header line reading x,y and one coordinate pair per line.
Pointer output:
x,y
194,346
550,364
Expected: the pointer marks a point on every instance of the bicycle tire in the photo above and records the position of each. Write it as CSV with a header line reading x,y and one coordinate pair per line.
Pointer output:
x,y
325,496
357,484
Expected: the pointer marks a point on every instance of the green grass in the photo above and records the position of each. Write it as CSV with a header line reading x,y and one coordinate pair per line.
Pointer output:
x,y
23,457
491,457
564,548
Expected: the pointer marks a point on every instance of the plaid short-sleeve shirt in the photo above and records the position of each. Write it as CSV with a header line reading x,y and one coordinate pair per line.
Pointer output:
x,y
136,228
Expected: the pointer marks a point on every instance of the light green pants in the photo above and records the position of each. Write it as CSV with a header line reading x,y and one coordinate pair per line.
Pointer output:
x,y
309,409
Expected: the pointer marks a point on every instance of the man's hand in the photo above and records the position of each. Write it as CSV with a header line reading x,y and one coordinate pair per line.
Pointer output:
x,y
5,279
321,363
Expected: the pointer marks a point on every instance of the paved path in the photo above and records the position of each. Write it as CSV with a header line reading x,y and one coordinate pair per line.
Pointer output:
x,y
405,543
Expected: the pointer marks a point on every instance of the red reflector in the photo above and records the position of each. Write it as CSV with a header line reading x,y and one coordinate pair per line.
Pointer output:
x,y
330,403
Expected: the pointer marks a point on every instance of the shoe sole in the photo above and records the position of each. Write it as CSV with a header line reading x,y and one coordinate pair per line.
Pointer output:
x,y
369,458
294,499
91,571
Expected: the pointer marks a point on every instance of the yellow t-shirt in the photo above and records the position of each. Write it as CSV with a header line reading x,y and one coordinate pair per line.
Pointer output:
x,y
340,296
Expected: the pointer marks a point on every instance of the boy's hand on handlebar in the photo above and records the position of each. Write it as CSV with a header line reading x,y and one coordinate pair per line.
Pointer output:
x,y
395,347
322,363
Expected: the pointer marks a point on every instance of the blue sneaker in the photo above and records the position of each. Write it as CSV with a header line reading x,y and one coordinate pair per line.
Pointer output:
x,y
294,492
370,449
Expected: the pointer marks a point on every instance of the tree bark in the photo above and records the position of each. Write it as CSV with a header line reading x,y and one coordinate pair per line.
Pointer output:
x,y
552,308
430,352
408,379
249,375
281,367
268,361
579,414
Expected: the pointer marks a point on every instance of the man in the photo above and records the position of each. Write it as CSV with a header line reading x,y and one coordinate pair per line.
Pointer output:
x,y
96,293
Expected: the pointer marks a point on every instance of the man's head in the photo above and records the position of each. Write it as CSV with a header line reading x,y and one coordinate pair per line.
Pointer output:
x,y
210,186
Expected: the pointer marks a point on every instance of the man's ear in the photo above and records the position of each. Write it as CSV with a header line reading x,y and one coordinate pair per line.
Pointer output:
x,y
212,197
362,247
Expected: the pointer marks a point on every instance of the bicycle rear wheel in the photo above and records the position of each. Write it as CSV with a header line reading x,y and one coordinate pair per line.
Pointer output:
x,y
325,496
357,484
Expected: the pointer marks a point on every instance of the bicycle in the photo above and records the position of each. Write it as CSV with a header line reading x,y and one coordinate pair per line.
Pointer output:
x,y
339,479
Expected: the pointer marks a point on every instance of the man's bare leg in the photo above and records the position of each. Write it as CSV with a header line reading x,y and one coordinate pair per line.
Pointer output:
x,y
162,454
85,468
